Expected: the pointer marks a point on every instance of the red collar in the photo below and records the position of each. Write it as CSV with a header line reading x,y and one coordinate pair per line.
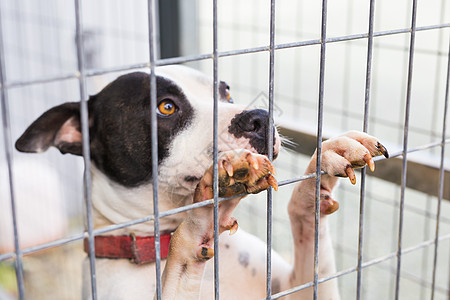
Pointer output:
x,y
140,249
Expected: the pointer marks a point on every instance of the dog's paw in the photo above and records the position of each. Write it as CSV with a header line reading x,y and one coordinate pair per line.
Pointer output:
x,y
343,154
246,172
340,156
239,172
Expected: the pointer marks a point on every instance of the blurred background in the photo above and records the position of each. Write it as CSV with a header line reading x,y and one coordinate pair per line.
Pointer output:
x,y
40,60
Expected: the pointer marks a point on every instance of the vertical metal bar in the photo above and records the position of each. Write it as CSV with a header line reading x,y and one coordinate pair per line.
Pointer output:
x,y
319,147
9,159
426,232
365,129
215,152
405,148
270,149
86,149
434,125
154,138
347,70
441,177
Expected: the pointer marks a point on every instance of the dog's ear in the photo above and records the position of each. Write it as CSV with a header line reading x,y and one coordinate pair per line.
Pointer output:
x,y
58,127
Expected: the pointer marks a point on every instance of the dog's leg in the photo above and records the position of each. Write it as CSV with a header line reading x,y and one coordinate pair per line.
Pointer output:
x,y
193,242
339,157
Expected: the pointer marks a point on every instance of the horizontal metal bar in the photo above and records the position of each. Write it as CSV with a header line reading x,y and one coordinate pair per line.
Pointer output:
x,y
422,176
311,283
416,149
114,227
7,256
388,201
110,228
183,209
369,263
415,277
342,111
45,246
189,58
19,84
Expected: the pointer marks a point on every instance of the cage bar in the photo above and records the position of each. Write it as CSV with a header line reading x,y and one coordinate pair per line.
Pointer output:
x,y
9,158
365,129
441,179
216,151
269,224
319,147
154,138
84,118
405,148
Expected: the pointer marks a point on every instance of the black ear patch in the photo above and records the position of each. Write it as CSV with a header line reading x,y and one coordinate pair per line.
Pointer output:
x,y
119,128
58,127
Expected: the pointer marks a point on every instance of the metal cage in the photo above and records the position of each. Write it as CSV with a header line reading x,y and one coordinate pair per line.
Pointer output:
x,y
85,70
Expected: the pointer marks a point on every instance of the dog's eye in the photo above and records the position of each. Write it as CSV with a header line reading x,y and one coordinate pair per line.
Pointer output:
x,y
228,95
166,107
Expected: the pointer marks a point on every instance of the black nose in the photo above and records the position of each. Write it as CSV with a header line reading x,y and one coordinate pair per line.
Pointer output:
x,y
252,124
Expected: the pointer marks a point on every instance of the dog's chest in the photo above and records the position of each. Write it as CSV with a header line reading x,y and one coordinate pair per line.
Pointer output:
x,y
241,265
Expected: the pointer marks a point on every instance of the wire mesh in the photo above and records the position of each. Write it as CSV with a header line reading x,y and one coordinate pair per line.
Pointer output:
x,y
82,74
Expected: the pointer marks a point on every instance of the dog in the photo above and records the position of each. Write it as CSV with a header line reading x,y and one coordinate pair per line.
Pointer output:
x,y
122,190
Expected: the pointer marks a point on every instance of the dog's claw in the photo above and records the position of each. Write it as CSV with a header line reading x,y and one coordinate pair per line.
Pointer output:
x,y
228,168
272,182
234,227
368,159
351,174
272,170
253,161
245,172
382,150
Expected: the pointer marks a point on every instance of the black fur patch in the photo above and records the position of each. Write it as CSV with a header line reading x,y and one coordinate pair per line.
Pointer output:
x,y
120,126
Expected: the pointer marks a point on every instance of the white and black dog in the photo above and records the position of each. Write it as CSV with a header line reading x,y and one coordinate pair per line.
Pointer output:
x,y
120,145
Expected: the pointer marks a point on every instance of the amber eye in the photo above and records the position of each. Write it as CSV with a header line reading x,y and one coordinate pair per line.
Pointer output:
x,y
166,107
228,95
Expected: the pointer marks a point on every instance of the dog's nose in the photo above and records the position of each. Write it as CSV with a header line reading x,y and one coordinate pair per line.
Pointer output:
x,y
252,124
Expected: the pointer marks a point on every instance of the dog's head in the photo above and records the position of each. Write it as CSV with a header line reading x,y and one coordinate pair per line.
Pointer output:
x,y
120,135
